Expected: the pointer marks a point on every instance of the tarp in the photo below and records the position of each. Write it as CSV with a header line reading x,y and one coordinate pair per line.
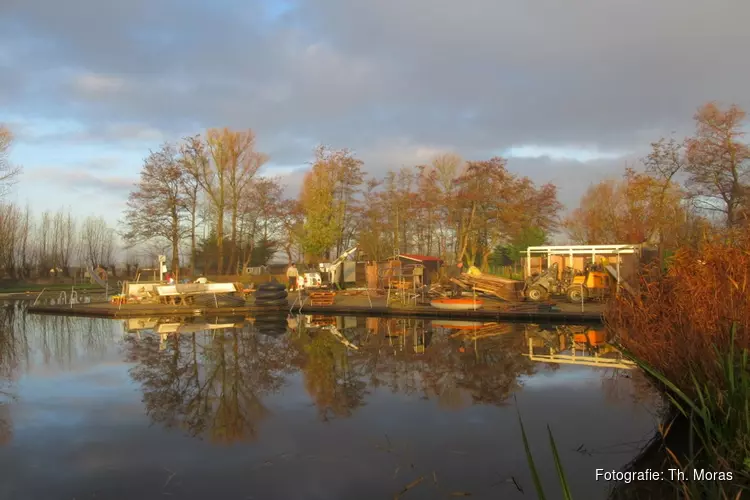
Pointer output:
x,y
95,277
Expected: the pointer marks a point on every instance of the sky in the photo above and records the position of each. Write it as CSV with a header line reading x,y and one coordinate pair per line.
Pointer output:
x,y
570,91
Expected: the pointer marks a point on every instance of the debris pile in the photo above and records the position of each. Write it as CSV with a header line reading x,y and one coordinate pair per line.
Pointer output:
x,y
502,288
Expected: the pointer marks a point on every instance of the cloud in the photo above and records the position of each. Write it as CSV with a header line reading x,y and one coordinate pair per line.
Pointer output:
x,y
82,181
93,84
392,80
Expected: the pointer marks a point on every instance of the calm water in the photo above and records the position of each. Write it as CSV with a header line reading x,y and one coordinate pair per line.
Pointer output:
x,y
306,408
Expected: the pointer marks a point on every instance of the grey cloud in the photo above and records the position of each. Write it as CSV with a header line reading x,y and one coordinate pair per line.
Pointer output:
x,y
389,79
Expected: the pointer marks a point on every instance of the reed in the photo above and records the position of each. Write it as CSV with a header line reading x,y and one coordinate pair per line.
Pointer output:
x,y
562,478
688,328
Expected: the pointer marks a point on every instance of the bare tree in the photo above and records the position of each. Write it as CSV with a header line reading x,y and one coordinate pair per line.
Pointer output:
x,y
24,256
718,162
156,208
97,242
10,223
44,242
65,235
191,190
8,172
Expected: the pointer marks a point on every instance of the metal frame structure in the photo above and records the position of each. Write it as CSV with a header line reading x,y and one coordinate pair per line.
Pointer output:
x,y
572,250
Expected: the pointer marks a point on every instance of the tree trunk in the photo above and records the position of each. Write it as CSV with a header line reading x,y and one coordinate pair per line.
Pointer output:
x,y
220,240
232,264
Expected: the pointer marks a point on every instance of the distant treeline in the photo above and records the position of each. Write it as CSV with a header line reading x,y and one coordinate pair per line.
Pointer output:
x,y
203,201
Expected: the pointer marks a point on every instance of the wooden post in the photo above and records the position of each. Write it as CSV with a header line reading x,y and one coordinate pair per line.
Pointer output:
x,y
371,276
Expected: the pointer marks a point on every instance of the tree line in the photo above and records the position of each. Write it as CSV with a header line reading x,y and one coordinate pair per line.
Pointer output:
x,y
452,208
205,201
686,189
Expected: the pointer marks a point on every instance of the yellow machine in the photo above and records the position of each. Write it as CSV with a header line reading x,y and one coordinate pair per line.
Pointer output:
x,y
594,283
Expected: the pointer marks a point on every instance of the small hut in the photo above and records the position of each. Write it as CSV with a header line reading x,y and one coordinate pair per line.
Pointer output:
x,y
431,264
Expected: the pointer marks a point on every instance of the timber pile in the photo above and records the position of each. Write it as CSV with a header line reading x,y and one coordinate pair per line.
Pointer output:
x,y
502,288
322,298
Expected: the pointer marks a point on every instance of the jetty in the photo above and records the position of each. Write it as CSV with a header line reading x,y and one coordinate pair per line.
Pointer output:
x,y
350,305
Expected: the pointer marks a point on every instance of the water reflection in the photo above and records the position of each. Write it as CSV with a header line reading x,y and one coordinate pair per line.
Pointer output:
x,y
208,376
225,380
208,382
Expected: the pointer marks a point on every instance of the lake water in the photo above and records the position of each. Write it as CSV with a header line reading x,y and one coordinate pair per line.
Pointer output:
x,y
308,408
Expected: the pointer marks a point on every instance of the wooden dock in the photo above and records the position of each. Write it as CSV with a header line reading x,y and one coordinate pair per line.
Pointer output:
x,y
567,314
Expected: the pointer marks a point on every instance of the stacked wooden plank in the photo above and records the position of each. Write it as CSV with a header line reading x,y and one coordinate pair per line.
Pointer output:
x,y
322,298
502,288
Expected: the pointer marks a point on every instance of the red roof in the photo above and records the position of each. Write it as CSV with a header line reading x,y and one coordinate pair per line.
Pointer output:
x,y
420,258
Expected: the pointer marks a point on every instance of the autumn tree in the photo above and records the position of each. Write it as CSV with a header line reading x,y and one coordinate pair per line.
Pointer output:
x,y
8,172
348,178
718,163
157,206
636,209
223,164
244,163
322,221
373,228
493,205
291,218
445,169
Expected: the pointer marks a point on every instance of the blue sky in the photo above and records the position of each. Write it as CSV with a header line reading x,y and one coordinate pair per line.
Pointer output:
x,y
89,87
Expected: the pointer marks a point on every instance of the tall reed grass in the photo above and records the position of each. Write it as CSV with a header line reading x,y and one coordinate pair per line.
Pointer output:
x,y
688,328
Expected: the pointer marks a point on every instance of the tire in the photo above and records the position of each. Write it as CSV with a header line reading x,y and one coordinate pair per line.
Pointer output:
x,y
270,294
271,286
274,302
577,294
271,329
220,301
536,293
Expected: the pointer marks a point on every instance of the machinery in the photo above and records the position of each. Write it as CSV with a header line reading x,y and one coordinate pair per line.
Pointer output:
x,y
313,280
309,280
594,282
540,286
333,267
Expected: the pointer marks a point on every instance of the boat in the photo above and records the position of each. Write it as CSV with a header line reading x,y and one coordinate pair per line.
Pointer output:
x,y
458,304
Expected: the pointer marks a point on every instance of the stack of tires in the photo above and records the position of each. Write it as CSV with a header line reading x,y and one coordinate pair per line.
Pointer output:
x,y
271,294
270,325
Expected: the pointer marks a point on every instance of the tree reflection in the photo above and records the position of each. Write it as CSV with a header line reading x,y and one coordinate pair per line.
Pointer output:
x,y
213,383
330,379
450,369
209,383
12,341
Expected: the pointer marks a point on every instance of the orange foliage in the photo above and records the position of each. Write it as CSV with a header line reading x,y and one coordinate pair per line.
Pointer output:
x,y
635,209
682,315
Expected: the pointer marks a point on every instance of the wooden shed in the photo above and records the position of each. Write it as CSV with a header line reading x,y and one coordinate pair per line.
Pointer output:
x,y
431,264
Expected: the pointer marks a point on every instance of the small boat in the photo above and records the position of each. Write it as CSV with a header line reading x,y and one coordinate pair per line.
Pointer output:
x,y
458,304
